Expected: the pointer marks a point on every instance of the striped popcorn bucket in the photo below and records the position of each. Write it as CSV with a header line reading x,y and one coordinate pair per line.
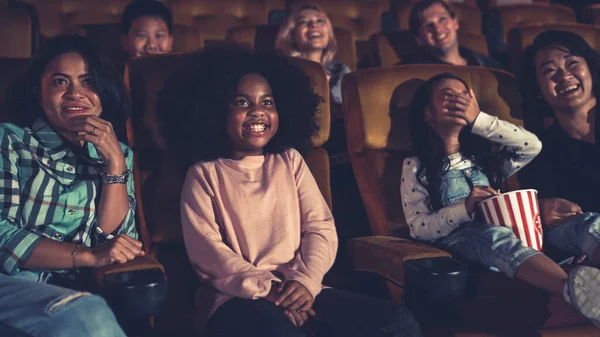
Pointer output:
x,y
519,211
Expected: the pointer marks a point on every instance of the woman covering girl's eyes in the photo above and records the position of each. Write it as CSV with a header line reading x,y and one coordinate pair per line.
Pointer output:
x,y
256,227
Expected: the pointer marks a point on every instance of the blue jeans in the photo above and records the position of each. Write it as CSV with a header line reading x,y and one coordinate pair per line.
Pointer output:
x,y
341,314
578,235
32,309
497,246
488,245
475,241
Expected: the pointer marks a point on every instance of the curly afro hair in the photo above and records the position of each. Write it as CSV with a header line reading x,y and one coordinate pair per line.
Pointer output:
x,y
193,107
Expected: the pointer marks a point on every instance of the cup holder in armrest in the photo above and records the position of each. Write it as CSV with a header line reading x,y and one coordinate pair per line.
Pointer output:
x,y
433,288
137,293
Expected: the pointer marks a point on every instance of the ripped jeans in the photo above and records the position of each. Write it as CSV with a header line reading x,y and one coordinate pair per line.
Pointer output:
x,y
33,309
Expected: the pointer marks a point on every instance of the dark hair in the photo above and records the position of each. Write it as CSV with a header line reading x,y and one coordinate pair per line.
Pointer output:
x,y
414,20
24,99
533,102
140,8
431,151
193,108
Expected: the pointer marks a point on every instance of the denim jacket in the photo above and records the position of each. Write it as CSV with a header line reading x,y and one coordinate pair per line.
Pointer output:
x,y
427,224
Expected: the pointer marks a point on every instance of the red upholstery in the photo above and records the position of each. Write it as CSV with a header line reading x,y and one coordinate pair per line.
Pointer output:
x,y
10,68
56,15
515,15
158,177
106,36
262,37
469,16
522,36
495,3
15,32
362,18
591,14
214,18
376,103
388,48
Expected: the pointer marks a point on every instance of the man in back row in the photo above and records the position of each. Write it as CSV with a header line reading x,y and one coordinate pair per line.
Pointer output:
x,y
434,25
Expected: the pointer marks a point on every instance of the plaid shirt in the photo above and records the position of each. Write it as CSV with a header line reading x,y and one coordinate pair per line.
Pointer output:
x,y
48,190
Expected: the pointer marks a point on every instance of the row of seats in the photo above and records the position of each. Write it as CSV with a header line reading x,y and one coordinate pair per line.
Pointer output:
x,y
375,108
385,48
361,18
376,104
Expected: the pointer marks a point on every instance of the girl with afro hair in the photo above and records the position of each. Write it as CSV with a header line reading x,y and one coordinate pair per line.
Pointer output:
x,y
258,232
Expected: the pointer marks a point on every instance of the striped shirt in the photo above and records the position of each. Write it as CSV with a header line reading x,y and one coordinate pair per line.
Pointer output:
x,y
49,189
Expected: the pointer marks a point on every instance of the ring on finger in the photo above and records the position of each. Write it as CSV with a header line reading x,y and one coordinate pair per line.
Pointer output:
x,y
93,130
109,260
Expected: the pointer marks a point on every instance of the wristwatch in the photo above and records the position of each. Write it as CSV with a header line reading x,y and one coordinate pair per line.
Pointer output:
x,y
115,178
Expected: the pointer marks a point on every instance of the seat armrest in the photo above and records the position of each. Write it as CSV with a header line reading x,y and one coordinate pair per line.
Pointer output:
x,y
385,255
134,290
145,262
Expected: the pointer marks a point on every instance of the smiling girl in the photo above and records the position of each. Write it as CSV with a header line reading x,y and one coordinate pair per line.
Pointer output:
x,y
463,156
257,229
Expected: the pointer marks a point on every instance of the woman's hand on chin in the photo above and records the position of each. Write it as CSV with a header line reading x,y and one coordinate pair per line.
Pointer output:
x,y
99,132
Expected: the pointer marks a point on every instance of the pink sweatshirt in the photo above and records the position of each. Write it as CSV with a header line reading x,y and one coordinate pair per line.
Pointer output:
x,y
244,218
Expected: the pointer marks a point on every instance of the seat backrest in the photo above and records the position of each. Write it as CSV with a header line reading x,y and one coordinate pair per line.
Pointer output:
x,y
56,15
469,16
494,3
10,68
591,14
468,2
388,48
262,37
214,18
376,105
156,168
362,18
15,32
106,36
522,36
514,15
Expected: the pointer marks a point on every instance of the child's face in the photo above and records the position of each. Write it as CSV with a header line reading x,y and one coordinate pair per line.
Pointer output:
x,y
252,116
148,35
67,91
435,111
564,79
311,31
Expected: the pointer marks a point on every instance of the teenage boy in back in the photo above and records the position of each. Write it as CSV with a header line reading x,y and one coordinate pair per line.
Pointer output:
x,y
146,28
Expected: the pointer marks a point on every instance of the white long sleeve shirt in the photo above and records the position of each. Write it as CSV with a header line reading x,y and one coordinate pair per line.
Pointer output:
x,y
428,225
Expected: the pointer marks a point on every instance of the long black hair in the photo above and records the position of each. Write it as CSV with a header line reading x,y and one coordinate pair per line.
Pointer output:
x,y
431,151
193,108
24,99
533,102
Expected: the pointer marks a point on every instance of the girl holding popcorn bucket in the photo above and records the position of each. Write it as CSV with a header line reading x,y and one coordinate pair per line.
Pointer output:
x,y
463,157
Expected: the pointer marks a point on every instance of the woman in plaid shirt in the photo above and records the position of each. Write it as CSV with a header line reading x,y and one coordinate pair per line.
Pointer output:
x,y
65,197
